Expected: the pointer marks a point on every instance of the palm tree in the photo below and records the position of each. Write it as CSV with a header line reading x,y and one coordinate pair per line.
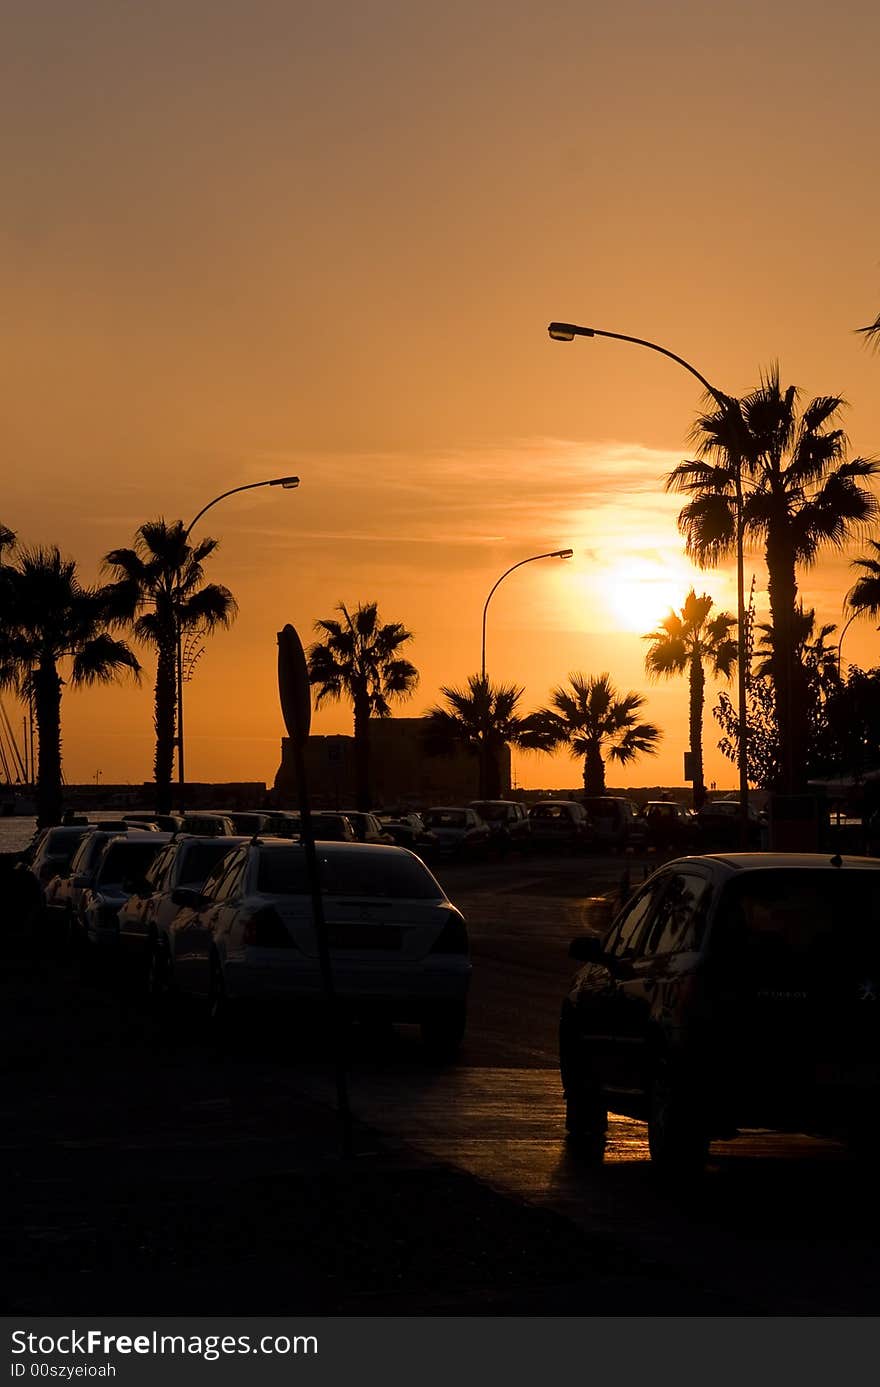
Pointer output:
x,y
688,640
159,583
863,598
799,494
593,720
359,661
483,719
49,618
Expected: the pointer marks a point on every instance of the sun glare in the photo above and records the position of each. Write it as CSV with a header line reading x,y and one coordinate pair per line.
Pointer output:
x,y
640,591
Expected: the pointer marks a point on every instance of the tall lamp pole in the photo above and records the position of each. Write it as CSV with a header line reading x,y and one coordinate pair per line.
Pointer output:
x,y
553,554
566,332
288,484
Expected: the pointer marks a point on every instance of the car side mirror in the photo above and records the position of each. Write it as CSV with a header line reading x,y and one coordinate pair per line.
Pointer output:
x,y
185,895
586,949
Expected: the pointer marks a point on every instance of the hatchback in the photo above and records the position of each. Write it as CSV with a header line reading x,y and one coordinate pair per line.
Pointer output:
x,y
399,947
730,991
562,824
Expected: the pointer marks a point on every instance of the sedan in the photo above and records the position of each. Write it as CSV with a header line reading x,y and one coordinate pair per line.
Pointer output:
x,y
398,946
121,870
453,832
562,824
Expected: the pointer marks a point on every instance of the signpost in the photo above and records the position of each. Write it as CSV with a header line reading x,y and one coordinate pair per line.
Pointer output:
x,y
296,707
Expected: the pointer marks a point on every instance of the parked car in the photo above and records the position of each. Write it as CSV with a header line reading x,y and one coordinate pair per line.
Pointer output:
x,y
55,849
407,828
144,919
719,823
454,832
327,827
561,824
399,946
281,823
367,828
730,991
669,827
165,823
64,893
247,822
124,863
508,821
616,823
206,821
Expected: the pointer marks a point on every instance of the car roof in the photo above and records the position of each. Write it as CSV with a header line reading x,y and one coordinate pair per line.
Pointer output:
x,y
331,846
763,861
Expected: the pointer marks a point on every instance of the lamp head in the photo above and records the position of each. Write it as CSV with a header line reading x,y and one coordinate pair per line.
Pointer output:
x,y
288,483
567,332
562,554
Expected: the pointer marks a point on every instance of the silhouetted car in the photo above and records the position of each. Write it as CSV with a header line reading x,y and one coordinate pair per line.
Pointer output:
x,y
144,919
454,832
367,827
64,893
123,866
668,826
399,947
561,824
406,828
615,822
208,821
508,822
719,825
730,991
165,823
327,827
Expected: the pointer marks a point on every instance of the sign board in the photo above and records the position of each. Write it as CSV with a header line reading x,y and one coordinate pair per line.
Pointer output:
x,y
689,765
294,688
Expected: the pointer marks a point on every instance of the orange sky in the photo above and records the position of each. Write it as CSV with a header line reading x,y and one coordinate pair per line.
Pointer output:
x,y
243,239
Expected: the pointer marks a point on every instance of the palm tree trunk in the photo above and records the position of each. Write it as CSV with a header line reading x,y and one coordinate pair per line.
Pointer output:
x,y
363,797
492,771
47,705
594,770
164,710
789,684
697,695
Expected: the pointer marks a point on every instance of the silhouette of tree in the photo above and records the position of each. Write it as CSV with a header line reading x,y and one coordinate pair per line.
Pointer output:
x,y
482,719
799,494
818,660
359,661
689,640
148,596
593,720
872,331
47,619
863,598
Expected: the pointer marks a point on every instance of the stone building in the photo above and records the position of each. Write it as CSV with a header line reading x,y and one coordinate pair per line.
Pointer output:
x,y
401,771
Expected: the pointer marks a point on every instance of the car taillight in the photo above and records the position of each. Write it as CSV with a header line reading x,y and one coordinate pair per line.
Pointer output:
x,y
266,930
453,938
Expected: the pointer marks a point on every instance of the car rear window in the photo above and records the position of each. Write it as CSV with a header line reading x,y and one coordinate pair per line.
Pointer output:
x,y
199,861
446,818
127,860
283,873
788,917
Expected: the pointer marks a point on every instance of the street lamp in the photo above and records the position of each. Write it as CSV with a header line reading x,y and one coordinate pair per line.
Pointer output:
x,y
287,484
553,554
567,332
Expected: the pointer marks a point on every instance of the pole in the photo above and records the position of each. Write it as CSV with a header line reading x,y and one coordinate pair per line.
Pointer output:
x,y
566,332
288,484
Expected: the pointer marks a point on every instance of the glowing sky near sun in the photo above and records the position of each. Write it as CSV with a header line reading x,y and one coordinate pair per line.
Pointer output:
x,y
244,239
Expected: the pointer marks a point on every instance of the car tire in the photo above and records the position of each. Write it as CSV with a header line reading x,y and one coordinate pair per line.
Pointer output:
x,y
586,1125
443,1032
678,1139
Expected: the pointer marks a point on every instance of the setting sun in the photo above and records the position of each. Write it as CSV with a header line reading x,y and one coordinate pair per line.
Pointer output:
x,y
640,591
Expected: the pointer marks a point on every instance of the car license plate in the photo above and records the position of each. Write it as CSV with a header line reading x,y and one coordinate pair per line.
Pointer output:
x,y
351,936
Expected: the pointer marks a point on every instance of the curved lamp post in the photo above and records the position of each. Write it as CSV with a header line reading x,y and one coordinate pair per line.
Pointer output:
x,y
553,554
288,484
566,332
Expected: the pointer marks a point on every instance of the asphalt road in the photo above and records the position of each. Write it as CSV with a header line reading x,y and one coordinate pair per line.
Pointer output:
x,y
95,1084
